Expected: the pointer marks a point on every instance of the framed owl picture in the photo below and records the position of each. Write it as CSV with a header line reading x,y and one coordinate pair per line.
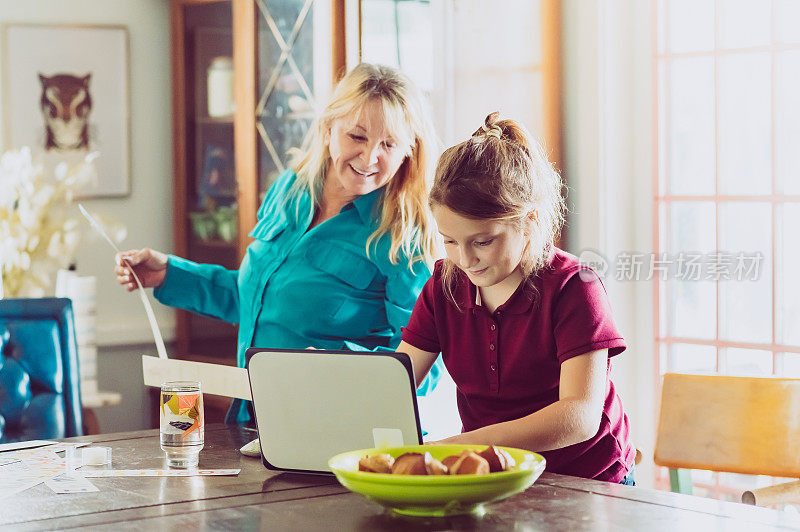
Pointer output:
x,y
65,95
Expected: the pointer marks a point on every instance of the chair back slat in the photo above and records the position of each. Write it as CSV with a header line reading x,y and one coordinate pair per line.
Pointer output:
x,y
732,424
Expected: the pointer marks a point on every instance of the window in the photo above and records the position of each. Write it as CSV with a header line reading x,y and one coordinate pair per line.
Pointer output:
x,y
727,191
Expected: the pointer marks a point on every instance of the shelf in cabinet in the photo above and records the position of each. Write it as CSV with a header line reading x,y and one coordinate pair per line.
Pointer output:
x,y
207,120
300,115
218,243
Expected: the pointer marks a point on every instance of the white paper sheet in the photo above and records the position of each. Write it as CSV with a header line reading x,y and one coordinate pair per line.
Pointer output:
x,y
72,483
159,472
151,317
23,445
35,466
215,379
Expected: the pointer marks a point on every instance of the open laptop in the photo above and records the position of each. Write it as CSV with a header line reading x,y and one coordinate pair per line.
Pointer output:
x,y
311,405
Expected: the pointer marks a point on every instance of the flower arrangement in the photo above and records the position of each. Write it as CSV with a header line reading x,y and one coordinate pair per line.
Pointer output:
x,y
39,231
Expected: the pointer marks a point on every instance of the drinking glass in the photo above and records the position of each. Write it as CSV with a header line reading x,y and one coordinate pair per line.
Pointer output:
x,y
182,423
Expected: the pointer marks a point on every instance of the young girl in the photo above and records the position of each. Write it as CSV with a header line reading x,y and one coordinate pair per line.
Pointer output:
x,y
524,330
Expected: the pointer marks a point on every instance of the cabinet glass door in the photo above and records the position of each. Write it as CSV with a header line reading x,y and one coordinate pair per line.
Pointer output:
x,y
293,75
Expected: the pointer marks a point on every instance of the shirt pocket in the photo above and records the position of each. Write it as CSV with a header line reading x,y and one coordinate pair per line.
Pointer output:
x,y
268,228
352,303
347,266
261,255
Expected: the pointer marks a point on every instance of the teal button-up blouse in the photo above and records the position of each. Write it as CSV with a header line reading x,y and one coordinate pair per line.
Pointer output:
x,y
298,288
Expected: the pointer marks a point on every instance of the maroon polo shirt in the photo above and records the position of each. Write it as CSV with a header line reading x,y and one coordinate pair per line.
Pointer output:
x,y
506,364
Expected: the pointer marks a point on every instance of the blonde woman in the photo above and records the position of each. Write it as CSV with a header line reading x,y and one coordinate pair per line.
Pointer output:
x,y
344,241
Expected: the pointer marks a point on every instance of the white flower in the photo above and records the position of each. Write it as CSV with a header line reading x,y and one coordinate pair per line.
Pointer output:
x,y
38,231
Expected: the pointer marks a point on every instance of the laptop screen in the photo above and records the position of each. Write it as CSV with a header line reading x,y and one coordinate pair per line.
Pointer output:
x,y
311,405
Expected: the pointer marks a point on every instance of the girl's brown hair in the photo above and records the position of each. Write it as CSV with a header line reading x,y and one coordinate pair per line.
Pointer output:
x,y
502,174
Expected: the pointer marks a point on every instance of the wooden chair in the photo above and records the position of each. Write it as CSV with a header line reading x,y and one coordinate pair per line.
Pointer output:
x,y
731,424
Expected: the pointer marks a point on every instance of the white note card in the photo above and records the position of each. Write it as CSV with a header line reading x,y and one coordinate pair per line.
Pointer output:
x,y
216,379
387,437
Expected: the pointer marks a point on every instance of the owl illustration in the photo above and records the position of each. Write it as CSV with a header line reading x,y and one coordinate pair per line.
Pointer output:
x,y
66,103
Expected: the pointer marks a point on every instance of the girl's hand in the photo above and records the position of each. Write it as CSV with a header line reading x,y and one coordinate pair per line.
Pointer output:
x,y
150,266
458,438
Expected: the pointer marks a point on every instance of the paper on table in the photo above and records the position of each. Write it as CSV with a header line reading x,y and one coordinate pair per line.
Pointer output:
x,y
158,472
35,466
216,379
71,483
162,351
24,445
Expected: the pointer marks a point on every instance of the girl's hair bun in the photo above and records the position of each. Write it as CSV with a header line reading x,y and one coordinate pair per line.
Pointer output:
x,y
508,130
490,127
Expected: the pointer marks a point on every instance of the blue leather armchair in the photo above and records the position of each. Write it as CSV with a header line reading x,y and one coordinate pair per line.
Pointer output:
x,y
40,396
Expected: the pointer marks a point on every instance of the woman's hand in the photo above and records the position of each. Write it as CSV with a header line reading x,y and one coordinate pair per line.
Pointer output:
x,y
150,266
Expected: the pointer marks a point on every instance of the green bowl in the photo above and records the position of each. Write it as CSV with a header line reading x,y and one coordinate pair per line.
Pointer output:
x,y
436,495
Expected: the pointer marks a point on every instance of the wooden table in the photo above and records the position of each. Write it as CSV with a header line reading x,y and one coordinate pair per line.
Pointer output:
x,y
262,499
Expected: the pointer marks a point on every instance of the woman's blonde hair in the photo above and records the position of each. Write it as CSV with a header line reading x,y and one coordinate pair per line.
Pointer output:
x,y
405,215
502,174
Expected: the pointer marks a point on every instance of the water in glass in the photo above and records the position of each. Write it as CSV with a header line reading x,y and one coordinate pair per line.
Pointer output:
x,y
182,424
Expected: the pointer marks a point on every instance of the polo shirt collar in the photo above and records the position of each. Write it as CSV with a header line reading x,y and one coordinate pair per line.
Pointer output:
x,y
520,301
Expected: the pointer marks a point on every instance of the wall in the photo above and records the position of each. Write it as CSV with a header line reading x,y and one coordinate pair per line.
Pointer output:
x,y
122,325
608,132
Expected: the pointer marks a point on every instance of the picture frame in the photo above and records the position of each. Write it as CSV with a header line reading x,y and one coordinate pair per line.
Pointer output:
x,y
66,94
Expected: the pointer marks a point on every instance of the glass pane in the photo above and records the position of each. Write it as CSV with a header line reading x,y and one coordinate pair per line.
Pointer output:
x,y
745,272
788,282
787,13
379,43
691,25
688,358
702,476
692,306
399,34
787,120
663,359
745,159
748,362
744,23
741,482
284,13
692,227
285,119
691,123
791,365
663,301
286,90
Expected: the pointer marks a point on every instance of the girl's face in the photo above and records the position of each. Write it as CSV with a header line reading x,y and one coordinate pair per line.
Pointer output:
x,y
364,155
488,251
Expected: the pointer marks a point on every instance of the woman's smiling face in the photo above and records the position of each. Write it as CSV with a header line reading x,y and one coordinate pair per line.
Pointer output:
x,y
364,154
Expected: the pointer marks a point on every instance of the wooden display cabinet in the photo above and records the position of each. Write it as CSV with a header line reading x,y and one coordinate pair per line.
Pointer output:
x,y
283,55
